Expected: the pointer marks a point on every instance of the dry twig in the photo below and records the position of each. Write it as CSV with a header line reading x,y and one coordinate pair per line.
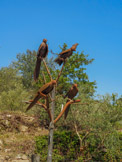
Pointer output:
x,y
60,72
47,69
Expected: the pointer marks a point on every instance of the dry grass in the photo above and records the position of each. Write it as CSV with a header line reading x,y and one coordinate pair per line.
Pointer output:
x,y
14,140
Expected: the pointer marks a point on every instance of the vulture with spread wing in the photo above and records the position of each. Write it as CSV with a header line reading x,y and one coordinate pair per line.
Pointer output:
x,y
43,91
42,53
65,54
70,94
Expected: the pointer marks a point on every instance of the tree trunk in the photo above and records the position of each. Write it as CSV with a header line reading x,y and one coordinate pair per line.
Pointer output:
x,y
35,158
51,129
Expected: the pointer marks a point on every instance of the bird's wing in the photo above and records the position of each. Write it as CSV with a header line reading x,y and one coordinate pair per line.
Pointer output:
x,y
37,69
75,91
59,60
40,47
37,97
64,52
66,112
69,93
46,50
45,87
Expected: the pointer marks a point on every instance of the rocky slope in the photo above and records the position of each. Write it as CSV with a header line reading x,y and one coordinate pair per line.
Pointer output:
x,y
17,133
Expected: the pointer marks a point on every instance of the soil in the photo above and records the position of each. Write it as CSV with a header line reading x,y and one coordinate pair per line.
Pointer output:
x,y
17,133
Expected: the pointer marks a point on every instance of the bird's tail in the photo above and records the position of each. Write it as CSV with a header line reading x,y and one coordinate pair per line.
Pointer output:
x,y
37,69
66,111
37,97
59,61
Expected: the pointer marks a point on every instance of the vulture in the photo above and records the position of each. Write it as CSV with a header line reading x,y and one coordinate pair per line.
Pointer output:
x,y
70,94
65,54
42,53
43,91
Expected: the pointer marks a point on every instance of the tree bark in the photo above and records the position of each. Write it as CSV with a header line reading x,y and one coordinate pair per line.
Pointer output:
x,y
35,158
51,129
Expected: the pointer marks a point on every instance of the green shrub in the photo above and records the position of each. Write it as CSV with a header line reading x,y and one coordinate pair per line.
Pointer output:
x,y
67,148
12,91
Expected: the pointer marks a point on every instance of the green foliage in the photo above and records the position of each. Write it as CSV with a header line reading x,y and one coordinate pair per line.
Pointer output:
x,y
99,119
25,64
13,99
41,146
74,72
12,90
9,78
67,147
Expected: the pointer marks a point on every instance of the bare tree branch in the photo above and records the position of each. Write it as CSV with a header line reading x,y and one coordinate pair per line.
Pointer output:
x,y
47,69
60,72
46,107
44,77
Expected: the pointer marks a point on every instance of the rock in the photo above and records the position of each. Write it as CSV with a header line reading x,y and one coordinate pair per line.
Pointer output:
x,y
7,157
7,150
18,156
23,128
8,115
24,157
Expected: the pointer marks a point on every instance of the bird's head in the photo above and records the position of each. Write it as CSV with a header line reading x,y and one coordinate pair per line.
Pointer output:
x,y
54,82
74,46
44,40
75,85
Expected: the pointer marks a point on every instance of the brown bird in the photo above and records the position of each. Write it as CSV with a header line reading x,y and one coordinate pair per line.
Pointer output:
x,y
70,94
42,53
65,108
43,91
64,54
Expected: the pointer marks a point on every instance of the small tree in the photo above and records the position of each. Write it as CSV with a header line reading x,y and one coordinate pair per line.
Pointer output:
x,y
67,77
71,72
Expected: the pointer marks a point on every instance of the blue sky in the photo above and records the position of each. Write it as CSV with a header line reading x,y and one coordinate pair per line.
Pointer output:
x,y
95,24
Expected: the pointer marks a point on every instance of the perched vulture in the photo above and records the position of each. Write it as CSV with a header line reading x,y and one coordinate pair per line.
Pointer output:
x,y
43,91
42,53
70,94
64,54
